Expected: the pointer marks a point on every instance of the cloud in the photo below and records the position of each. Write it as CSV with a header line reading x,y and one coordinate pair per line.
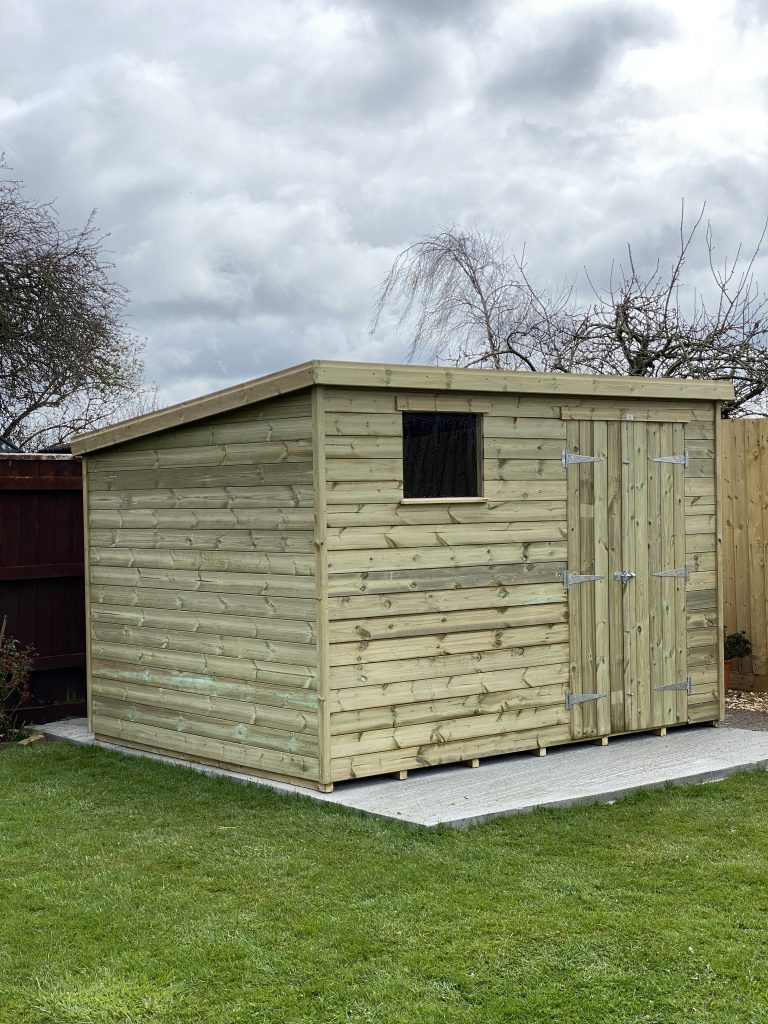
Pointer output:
x,y
259,168
565,56
400,15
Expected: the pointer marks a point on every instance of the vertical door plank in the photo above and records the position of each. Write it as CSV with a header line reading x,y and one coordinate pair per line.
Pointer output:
x,y
587,605
681,625
614,589
574,566
601,610
642,632
656,563
628,486
668,556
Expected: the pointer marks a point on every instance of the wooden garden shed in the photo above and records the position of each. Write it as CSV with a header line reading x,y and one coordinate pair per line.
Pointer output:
x,y
348,569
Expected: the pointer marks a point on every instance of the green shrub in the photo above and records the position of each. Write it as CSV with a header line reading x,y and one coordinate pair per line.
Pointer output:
x,y
736,645
15,669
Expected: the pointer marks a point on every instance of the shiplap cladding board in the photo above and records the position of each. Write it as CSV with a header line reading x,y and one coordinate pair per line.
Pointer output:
x,y
449,626
202,590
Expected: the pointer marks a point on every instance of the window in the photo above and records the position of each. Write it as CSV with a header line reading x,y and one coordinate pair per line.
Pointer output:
x,y
441,455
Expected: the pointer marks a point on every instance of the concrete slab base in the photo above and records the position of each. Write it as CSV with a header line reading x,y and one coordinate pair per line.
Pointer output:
x,y
459,796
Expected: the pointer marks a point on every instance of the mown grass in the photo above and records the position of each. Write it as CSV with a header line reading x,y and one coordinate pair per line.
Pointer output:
x,y
134,892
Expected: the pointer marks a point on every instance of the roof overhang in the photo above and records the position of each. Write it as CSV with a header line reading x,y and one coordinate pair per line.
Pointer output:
x,y
401,378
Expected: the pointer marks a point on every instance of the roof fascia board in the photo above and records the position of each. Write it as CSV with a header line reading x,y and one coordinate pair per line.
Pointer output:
x,y
444,378
236,397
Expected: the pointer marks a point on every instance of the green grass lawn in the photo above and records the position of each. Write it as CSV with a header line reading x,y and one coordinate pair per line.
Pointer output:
x,y
134,892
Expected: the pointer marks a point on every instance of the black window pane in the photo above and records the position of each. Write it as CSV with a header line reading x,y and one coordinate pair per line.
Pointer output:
x,y
440,455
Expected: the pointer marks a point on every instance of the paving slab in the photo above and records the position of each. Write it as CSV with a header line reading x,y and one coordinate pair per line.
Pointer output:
x,y
459,796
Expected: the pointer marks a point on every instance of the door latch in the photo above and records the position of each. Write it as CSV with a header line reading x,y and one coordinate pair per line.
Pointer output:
x,y
624,576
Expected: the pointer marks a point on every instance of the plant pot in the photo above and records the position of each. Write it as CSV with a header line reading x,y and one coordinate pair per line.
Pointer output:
x,y
727,673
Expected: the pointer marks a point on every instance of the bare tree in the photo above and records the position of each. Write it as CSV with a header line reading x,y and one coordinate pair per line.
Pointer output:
x,y
472,304
475,306
67,360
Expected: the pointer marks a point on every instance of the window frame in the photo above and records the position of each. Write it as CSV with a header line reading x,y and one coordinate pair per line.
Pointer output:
x,y
419,408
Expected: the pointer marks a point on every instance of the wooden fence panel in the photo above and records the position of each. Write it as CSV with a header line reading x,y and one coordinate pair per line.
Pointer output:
x,y
41,575
745,535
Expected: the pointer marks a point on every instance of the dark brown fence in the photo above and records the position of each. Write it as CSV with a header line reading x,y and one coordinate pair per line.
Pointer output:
x,y
41,576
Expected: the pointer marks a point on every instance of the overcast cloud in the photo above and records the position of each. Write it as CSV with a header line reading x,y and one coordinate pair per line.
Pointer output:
x,y
260,164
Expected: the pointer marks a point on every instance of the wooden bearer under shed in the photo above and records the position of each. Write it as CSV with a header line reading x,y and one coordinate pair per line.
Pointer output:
x,y
344,570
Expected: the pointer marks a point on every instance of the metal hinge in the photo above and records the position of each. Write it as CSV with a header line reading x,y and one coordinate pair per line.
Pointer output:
x,y
685,573
570,457
686,684
572,578
678,460
571,699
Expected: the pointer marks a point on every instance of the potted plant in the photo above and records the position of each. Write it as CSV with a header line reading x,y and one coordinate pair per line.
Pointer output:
x,y
735,645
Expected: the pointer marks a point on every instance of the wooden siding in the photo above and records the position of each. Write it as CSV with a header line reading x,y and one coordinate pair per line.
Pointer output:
x,y
203,610
262,596
448,621
745,537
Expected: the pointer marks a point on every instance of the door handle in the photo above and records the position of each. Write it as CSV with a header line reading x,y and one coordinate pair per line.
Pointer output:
x,y
624,576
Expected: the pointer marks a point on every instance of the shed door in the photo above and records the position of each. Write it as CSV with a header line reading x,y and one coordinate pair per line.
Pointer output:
x,y
626,514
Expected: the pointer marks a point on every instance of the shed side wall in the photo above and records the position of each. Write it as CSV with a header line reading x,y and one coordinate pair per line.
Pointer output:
x,y
202,591
448,628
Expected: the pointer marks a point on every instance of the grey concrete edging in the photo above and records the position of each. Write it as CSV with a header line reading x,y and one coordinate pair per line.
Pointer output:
x,y
568,776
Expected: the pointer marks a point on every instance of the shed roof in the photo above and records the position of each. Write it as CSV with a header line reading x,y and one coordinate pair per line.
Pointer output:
x,y
400,377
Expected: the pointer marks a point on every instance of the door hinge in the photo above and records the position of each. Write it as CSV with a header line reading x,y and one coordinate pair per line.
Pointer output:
x,y
570,579
678,460
571,457
684,573
571,699
686,684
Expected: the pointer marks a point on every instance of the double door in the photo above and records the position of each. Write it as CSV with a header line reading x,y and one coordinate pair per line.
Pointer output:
x,y
626,576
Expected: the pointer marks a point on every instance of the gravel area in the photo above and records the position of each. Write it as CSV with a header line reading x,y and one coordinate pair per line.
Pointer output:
x,y
745,709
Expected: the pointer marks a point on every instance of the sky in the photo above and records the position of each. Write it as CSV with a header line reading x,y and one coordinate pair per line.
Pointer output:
x,y
259,165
